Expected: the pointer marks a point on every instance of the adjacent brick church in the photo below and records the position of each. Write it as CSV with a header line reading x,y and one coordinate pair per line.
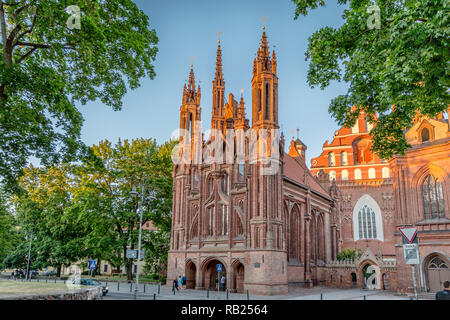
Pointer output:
x,y
376,197
271,224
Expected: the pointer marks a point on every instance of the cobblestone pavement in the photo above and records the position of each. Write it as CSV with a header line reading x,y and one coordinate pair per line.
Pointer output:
x,y
125,291
295,293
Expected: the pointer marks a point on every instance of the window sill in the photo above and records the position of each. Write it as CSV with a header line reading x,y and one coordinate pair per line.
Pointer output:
x,y
433,221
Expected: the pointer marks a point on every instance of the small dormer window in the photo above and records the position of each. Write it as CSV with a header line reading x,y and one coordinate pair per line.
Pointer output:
x,y
425,135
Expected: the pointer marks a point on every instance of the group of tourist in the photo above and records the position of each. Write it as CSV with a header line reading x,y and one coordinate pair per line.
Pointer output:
x,y
179,283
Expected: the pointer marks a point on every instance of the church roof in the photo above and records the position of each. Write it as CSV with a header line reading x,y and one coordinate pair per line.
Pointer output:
x,y
296,171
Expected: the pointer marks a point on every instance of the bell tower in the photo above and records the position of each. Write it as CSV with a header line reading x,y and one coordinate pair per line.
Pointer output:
x,y
265,88
190,117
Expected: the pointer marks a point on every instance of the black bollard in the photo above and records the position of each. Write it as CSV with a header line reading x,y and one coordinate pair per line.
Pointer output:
x,y
118,285
321,296
227,294
364,297
248,297
207,293
154,296
131,286
159,288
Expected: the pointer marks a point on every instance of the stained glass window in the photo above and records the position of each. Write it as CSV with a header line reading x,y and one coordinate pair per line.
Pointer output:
x,y
366,223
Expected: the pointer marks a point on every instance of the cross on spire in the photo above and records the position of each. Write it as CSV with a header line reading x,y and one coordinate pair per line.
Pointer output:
x,y
218,35
298,130
263,21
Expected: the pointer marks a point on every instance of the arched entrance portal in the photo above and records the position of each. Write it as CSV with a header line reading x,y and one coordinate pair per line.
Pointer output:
x,y
437,270
191,271
239,278
211,276
370,276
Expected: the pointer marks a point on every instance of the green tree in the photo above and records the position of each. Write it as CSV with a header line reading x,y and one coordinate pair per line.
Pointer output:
x,y
105,198
156,245
395,70
8,234
48,65
45,210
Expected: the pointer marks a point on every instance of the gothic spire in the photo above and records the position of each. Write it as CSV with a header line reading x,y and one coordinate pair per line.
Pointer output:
x,y
218,79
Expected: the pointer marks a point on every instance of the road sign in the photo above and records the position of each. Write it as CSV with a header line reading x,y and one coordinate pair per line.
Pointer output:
x,y
411,253
142,254
92,264
219,268
131,254
409,233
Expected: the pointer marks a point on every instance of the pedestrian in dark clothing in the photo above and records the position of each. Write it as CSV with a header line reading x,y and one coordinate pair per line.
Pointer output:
x,y
444,294
175,285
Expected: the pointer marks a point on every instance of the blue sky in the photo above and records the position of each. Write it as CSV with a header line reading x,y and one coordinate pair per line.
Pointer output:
x,y
189,28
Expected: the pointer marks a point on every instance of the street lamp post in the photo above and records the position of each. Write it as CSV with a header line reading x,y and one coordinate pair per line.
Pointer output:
x,y
29,254
134,193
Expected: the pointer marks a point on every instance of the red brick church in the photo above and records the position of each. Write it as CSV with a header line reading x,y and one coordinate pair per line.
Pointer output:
x,y
262,228
274,224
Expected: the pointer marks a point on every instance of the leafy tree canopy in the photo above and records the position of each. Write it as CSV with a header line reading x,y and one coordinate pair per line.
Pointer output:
x,y
395,70
54,56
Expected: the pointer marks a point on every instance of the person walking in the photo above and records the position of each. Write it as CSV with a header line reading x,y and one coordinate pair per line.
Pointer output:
x,y
184,281
444,294
175,285
180,282
223,280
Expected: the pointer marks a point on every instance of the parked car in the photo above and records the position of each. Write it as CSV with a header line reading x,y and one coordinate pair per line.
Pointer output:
x,y
48,273
33,273
91,282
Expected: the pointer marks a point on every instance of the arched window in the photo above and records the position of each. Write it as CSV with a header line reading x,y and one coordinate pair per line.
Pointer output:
x,y
372,173
224,219
367,220
332,175
195,180
357,174
343,158
210,185
366,223
225,184
344,175
211,214
241,171
385,172
331,159
425,135
433,198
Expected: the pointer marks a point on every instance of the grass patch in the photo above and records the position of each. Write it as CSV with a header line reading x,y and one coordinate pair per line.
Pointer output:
x,y
9,287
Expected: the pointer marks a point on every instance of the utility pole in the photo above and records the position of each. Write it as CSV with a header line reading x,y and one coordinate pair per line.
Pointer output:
x,y
29,254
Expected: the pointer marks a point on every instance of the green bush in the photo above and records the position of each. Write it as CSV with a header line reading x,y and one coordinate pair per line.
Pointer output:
x,y
346,254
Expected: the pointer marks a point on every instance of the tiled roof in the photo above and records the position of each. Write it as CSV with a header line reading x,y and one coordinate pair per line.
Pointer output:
x,y
295,170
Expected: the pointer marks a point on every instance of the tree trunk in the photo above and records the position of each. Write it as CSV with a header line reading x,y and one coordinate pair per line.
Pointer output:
x,y
58,271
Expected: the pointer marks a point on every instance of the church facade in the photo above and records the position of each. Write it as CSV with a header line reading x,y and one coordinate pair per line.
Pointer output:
x,y
265,219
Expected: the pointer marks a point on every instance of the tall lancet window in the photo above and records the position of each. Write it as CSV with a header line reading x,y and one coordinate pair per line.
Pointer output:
x,y
367,224
433,198
211,214
266,103
225,184
224,219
